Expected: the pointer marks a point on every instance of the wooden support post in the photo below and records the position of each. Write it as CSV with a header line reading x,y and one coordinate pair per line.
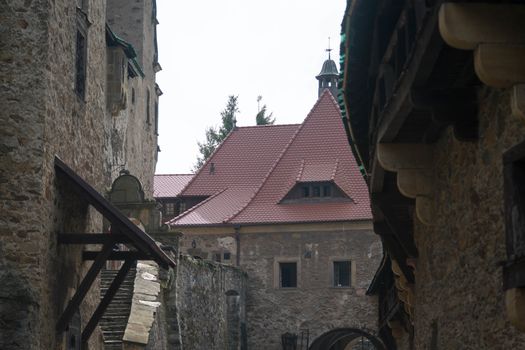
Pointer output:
x,y
108,297
84,287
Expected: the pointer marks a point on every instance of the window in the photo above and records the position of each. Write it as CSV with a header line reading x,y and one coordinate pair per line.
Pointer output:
x,y
217,257
306,191
80,65
342,273
227,255
288,275
169,209
315,192
327,191
148,119
81,49
156,118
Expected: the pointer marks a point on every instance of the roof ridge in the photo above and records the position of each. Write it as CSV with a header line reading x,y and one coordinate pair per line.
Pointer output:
x,y
207,161
180,216
283,152
267,125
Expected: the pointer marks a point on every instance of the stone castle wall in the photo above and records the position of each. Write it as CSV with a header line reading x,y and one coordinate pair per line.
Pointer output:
x,y
316,304
136,154
41,117
459,292
203,304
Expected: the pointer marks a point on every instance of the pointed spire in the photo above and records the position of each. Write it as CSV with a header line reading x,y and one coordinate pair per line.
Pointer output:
x,y
328,49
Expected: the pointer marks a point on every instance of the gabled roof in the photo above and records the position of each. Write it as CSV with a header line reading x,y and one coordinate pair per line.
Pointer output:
x,y
255,167
169,185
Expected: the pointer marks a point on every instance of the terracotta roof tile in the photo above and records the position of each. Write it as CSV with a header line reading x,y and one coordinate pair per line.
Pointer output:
x,y
169,185
256,166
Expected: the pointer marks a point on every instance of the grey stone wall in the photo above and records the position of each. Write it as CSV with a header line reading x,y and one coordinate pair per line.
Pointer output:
x,y
316,305
458,276
133,141
42,116
202,304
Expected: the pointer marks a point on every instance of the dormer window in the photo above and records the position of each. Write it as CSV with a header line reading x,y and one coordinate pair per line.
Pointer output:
x,y
315,191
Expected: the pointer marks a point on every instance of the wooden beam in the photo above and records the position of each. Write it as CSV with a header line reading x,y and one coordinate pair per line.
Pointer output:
x,y
123,255
466,25
500,65
108,297
140,239
91,238
84,286
399,106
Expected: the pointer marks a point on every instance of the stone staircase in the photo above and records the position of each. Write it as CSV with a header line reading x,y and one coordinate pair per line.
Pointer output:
x,y
115,319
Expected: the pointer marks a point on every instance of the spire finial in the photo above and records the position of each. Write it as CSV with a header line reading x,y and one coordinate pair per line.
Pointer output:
x,y
328,49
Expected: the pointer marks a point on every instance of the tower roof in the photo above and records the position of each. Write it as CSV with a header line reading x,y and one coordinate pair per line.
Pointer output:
x,y
329,69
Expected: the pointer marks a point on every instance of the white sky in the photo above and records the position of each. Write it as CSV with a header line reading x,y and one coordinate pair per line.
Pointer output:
x,y
210,49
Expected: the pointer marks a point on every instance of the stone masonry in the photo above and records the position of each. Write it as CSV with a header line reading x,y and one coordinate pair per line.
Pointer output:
x,y
315,305
459,295
42,116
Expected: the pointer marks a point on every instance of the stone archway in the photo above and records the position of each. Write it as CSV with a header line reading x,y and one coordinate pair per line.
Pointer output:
x,y
339,338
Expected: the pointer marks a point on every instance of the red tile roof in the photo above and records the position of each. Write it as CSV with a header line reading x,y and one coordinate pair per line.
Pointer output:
x,y
255,167
169,185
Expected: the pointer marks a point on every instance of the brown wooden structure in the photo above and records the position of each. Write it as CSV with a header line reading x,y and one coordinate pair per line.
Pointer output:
x,y
142,247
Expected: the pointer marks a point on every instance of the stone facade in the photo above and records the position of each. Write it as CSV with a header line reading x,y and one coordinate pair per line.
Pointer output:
x,y
43,116
316,304
459,294
206,306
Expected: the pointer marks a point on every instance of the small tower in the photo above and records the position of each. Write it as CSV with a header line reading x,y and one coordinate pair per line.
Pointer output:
x,y
328,76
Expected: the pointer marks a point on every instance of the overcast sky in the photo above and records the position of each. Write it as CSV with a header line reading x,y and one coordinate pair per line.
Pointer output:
x,y
210,49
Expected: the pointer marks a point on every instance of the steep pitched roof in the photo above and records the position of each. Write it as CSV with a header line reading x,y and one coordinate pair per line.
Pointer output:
x,y
169,185
255,167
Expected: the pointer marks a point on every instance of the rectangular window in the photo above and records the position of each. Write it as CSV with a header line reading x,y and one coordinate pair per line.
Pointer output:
x,y
227,256
80,65
316,191
156,118
288,275
342,273
327,191
182,207
514,199
217,257
148,119
305,191
169,209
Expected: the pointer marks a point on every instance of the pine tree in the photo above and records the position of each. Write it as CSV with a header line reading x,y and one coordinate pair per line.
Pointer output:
x,y
215,136
263,119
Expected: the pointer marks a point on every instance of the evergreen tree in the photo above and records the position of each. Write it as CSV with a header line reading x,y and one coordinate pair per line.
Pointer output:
x,y
263,119
213,136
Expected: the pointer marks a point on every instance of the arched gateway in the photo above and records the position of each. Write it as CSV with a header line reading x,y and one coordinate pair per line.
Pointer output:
x,y
347,339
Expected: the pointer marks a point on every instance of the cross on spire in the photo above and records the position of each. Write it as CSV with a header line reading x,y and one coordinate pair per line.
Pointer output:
x,y
328,49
